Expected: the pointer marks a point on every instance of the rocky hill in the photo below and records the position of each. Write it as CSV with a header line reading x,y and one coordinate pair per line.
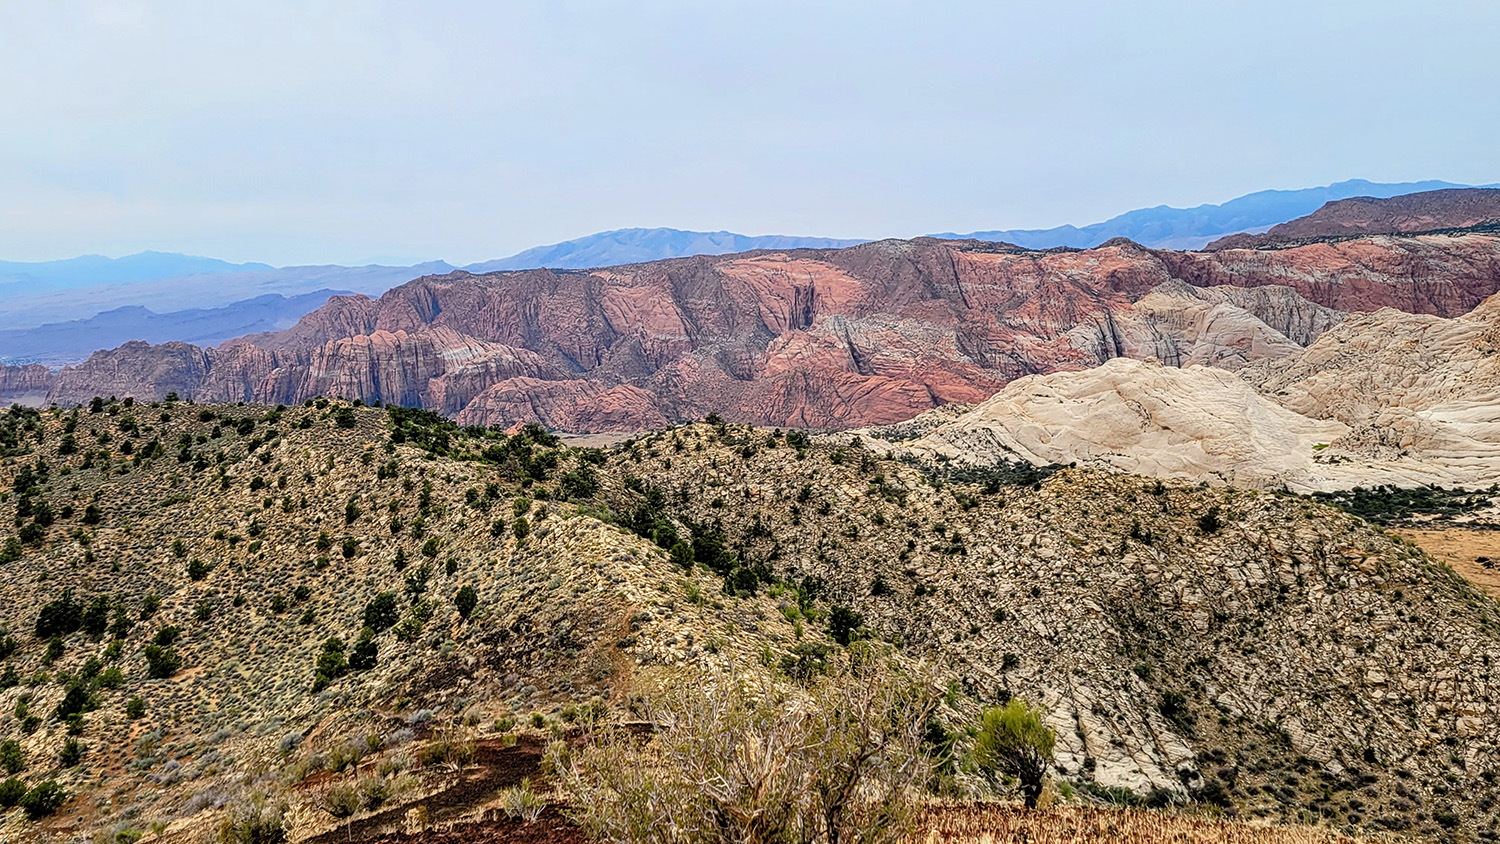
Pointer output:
x,y
823,339
1455,208
177,571
1386,398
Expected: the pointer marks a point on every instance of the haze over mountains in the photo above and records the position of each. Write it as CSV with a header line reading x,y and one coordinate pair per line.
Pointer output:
x,y
1192,228
61,343
64,292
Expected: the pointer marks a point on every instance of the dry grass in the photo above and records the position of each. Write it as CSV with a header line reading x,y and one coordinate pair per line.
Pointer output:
x,y
1001,824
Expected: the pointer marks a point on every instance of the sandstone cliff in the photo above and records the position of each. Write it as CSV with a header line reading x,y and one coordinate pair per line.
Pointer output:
x,y
27,384
824,339
1382,398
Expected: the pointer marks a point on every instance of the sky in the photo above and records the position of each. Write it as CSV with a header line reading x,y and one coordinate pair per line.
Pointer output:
x,y
318,132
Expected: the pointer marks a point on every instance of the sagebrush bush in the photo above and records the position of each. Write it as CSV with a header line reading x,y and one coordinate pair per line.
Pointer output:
x,y
254,821
731,761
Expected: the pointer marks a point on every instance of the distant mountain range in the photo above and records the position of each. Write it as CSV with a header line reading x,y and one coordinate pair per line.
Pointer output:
x,y
51,305
1414,212
636,246
1192,228
201,291
18,277
60,343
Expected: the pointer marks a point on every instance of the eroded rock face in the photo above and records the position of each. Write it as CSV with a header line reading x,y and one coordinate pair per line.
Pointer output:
x,y
25,384
825,339
135,369
1382,398
1443,275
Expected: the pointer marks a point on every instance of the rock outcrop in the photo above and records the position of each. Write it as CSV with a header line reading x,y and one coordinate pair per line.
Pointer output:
x,y
824,339
1455,208
1195,423
27,384
1382,398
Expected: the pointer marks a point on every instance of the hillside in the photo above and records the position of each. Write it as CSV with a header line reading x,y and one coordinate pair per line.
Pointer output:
x,y
1366,215
822,339
1271,656
1386,398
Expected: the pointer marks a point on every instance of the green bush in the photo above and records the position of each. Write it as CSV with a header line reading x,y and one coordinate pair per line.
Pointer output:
x,y
1013,741
382,612
11,792
466,600
331,664
43,800
363,656
135,708
844,624
59,617
161,662
71,753
11,757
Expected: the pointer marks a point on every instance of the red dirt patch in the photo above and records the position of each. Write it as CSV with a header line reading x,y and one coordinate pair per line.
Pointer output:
x,y
551,828
496,767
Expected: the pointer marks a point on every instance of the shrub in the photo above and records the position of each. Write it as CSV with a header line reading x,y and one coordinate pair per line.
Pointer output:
x,y
59,617
345,418
74,701
11,792
11,757
71,753
521,803
842,761
363,656
582,482
161,662
340,801
43,800
382,612
331,664
844,624
254,821
197,570
1014,741
521,528
135,708
466,600
1210,522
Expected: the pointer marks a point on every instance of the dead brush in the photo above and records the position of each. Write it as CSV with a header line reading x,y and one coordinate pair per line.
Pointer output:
x,y
1009,824
739,760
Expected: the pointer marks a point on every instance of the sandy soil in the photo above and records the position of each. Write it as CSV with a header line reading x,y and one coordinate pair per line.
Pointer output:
x,y
1475,554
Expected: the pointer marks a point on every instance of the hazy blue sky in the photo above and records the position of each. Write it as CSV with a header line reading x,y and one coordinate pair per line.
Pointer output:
x,y
294,132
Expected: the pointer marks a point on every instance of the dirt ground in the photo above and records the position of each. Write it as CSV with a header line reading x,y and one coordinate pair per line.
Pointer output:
x,y
550,828
1475,554
453,812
